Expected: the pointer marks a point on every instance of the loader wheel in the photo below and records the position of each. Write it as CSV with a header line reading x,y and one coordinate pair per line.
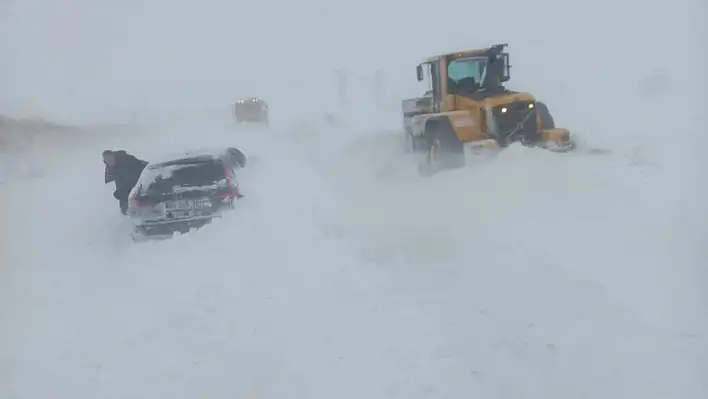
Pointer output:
x,y
544,114
445,151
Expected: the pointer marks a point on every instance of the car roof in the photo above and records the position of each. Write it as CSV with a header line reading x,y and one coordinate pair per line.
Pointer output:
x,y
191,156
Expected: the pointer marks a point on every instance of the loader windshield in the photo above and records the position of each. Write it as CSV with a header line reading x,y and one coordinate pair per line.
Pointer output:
x,y
466,68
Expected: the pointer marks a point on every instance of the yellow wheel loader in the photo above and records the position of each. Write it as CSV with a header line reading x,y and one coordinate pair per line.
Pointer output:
x,y
469,108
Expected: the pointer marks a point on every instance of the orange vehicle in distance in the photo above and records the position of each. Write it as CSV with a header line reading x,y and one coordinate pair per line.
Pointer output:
x,y
251,110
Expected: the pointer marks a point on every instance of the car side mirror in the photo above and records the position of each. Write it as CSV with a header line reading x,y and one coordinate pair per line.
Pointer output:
x,y
419,72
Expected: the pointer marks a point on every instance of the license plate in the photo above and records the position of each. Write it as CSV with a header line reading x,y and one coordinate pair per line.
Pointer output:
x,y
187,205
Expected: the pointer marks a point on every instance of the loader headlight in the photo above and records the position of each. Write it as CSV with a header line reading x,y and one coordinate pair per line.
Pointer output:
x,y
514,108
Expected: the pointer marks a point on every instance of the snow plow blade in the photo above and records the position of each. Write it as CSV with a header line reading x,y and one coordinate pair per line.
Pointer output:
x,y
556,140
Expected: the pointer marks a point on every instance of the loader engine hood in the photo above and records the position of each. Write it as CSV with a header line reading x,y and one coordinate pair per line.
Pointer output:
x,y
514,121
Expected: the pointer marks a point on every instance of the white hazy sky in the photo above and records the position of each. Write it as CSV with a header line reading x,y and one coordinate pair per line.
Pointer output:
x,y
92,60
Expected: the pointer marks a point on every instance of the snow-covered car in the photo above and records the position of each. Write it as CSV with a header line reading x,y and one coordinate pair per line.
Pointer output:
x,y
184,192
252,109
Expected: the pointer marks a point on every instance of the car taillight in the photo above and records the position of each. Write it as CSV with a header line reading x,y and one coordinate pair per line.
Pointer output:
x,y
225,196
143,202
232,187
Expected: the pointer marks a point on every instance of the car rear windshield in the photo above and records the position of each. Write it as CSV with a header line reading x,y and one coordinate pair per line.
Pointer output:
x,y
166,177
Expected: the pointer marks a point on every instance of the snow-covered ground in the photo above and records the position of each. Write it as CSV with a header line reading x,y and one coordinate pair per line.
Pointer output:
x,y
342,273
588,256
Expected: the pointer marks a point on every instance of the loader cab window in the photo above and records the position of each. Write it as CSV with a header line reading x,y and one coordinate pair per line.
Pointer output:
x,y
466,74
431,72
435,85
427,78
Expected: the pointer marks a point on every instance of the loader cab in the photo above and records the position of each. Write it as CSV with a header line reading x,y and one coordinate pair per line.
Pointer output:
x,y
475,74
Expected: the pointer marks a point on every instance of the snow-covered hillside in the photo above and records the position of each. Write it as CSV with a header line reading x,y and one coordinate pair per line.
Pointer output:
x,y
342,273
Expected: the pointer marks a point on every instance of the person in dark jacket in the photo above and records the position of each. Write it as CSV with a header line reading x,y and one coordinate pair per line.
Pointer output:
x,y
123,169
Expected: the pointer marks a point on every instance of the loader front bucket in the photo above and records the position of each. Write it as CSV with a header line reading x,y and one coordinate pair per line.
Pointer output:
x,y
557,140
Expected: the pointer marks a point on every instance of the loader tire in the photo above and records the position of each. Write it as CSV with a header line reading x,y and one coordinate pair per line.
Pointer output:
x,y
445,150
544,114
